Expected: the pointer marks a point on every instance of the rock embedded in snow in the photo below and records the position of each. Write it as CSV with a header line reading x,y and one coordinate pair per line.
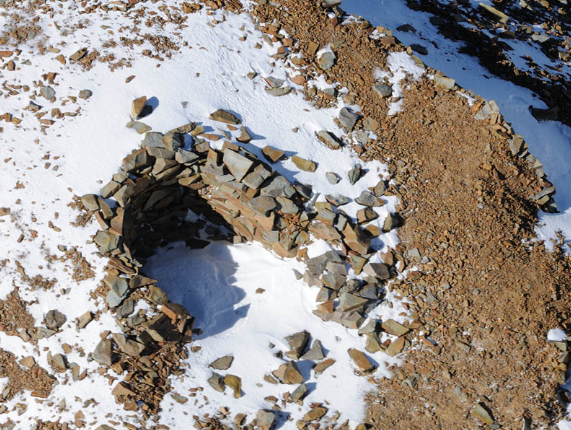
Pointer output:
x,y
244,137
103,352
216,381
329,139
288,373
265,419
224,116
315,353
323,365
326,60
332,177
355,174
48,93
383,90
347,118
298,393
303,164
272,154
315,414
337,200
85,94
55,319
234,383
137,106
360,360
278,92
223,363
368,199
297,343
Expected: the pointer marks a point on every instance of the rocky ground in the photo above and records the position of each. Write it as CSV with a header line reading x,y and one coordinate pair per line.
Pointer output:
x,y
474,292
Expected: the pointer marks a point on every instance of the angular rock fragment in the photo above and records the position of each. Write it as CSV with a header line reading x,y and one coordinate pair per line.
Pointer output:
x,y
333,178
103,353
55,319
360,360
272,154
265,419
329,139
224,116
303,164
368,199
347,118
223,363
326,60
297,343
237,164
234,383
298,393
288,373
383,90
394,328
355,174
137,106
314,414
216,381
315,353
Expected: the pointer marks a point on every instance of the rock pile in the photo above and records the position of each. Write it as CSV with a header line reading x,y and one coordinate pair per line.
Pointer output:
x,y
231,187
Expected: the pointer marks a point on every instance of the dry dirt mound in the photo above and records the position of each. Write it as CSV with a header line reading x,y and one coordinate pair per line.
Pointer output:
x,y
484,294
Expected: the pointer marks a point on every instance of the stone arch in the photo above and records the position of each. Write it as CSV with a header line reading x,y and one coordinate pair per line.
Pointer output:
x,y
249,201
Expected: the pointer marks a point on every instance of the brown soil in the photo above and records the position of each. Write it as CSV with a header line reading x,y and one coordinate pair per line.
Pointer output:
x,y
486,296
14,316
34,379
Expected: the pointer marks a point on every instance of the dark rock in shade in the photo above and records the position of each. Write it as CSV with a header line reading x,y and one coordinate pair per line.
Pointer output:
x,y
419,48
